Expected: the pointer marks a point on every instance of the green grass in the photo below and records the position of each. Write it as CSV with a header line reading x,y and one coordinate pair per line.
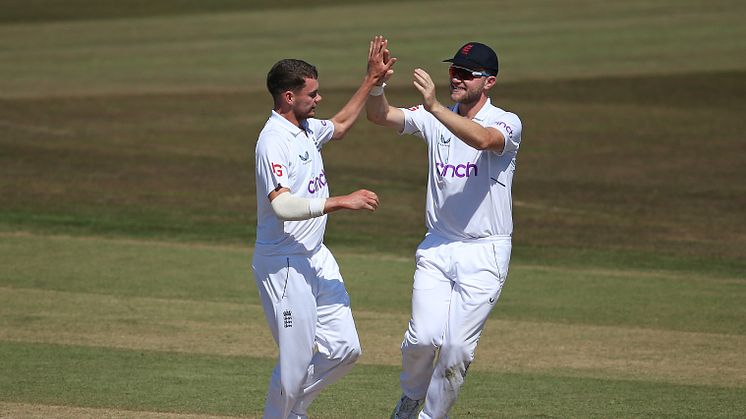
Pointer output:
x,y
594,175
78,312
90,377
233,51
535,292
127,205
16,11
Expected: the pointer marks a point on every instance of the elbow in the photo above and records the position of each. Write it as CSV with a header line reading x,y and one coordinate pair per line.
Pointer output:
x,y
283,214
489,146
288,207
341,129
489,141
482,144
339,134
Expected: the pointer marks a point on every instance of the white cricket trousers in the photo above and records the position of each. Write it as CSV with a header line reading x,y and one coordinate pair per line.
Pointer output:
x,y
308,311
456,285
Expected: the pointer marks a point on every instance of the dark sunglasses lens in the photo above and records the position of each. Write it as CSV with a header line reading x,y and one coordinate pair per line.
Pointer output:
x,y
460,73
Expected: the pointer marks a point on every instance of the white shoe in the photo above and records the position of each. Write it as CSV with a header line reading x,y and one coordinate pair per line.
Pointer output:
x,y
407,408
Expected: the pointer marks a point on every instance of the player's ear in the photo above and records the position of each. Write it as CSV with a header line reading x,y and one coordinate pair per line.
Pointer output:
x,y
288,97
491,80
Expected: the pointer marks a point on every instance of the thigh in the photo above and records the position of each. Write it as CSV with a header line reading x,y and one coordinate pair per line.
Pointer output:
x,y
431,294
284,285
481,271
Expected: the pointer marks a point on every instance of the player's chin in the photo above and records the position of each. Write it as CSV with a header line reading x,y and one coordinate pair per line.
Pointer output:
x,y
457,93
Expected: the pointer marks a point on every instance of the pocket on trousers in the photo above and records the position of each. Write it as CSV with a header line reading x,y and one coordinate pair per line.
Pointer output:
x,y
501,256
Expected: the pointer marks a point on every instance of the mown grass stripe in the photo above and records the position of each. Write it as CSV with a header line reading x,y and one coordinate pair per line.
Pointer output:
x,y
244,250
170,51
211,385
131,379
548,293
229,329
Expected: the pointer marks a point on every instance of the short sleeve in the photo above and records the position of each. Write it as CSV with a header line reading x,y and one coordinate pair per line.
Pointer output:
x,y
322,129
272,162
415,119
510,126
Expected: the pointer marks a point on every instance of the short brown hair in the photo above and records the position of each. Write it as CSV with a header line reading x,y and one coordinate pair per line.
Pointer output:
x,y
289,74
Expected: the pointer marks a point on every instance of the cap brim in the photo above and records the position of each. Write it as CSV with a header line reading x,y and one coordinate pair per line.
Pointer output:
x,y
469,64
463,63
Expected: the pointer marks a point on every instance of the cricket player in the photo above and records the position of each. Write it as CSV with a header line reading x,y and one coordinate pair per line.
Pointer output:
x,y
302,292
462,263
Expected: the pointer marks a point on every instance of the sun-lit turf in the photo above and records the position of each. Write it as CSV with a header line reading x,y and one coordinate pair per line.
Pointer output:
x,y
183,309
91,377
601,175
127,206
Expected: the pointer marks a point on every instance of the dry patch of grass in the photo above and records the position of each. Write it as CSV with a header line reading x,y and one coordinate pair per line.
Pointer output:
x,y
134,323
620,352
231,329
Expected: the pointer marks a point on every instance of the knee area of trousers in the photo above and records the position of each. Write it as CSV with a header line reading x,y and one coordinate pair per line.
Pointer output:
x,y
354,352
456,353
418,346
291,391
348,354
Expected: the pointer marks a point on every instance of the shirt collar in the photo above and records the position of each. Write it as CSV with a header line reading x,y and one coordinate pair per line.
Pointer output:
x,y
481,114
289,126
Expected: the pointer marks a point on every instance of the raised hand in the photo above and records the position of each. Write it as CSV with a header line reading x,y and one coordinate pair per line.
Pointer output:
x,y
424,83
380,62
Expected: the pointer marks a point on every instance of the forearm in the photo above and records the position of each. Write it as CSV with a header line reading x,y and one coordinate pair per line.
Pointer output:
x,y
380,112
335,203
468,131
377,108
346,117
289,207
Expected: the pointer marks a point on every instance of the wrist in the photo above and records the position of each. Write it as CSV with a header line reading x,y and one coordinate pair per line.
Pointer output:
x,y
371,80
377,90
316,207
435,107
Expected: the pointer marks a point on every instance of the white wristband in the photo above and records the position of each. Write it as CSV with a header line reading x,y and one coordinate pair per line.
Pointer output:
x,y
316,207
377,90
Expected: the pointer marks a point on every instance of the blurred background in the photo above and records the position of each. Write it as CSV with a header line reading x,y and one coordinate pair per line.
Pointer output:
x,y
128,212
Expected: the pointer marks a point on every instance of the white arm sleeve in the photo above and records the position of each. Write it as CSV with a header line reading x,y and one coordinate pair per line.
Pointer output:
x,y
289,207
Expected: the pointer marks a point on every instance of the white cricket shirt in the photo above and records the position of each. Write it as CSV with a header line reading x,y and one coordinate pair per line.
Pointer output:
x,y
468,190
289,156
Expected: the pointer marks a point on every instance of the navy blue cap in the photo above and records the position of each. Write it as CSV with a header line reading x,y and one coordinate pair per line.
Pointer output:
x,y
475,56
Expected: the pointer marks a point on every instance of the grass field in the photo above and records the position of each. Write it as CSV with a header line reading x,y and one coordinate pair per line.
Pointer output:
x,y
127,207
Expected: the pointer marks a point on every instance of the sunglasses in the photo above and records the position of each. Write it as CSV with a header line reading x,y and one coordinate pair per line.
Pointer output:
x,y
462,73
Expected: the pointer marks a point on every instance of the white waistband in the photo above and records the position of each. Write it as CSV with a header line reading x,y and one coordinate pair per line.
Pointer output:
x,y
489,239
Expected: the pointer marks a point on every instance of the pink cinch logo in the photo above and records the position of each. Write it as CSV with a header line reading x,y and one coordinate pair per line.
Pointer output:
x,y
459,170
317,183
507,128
